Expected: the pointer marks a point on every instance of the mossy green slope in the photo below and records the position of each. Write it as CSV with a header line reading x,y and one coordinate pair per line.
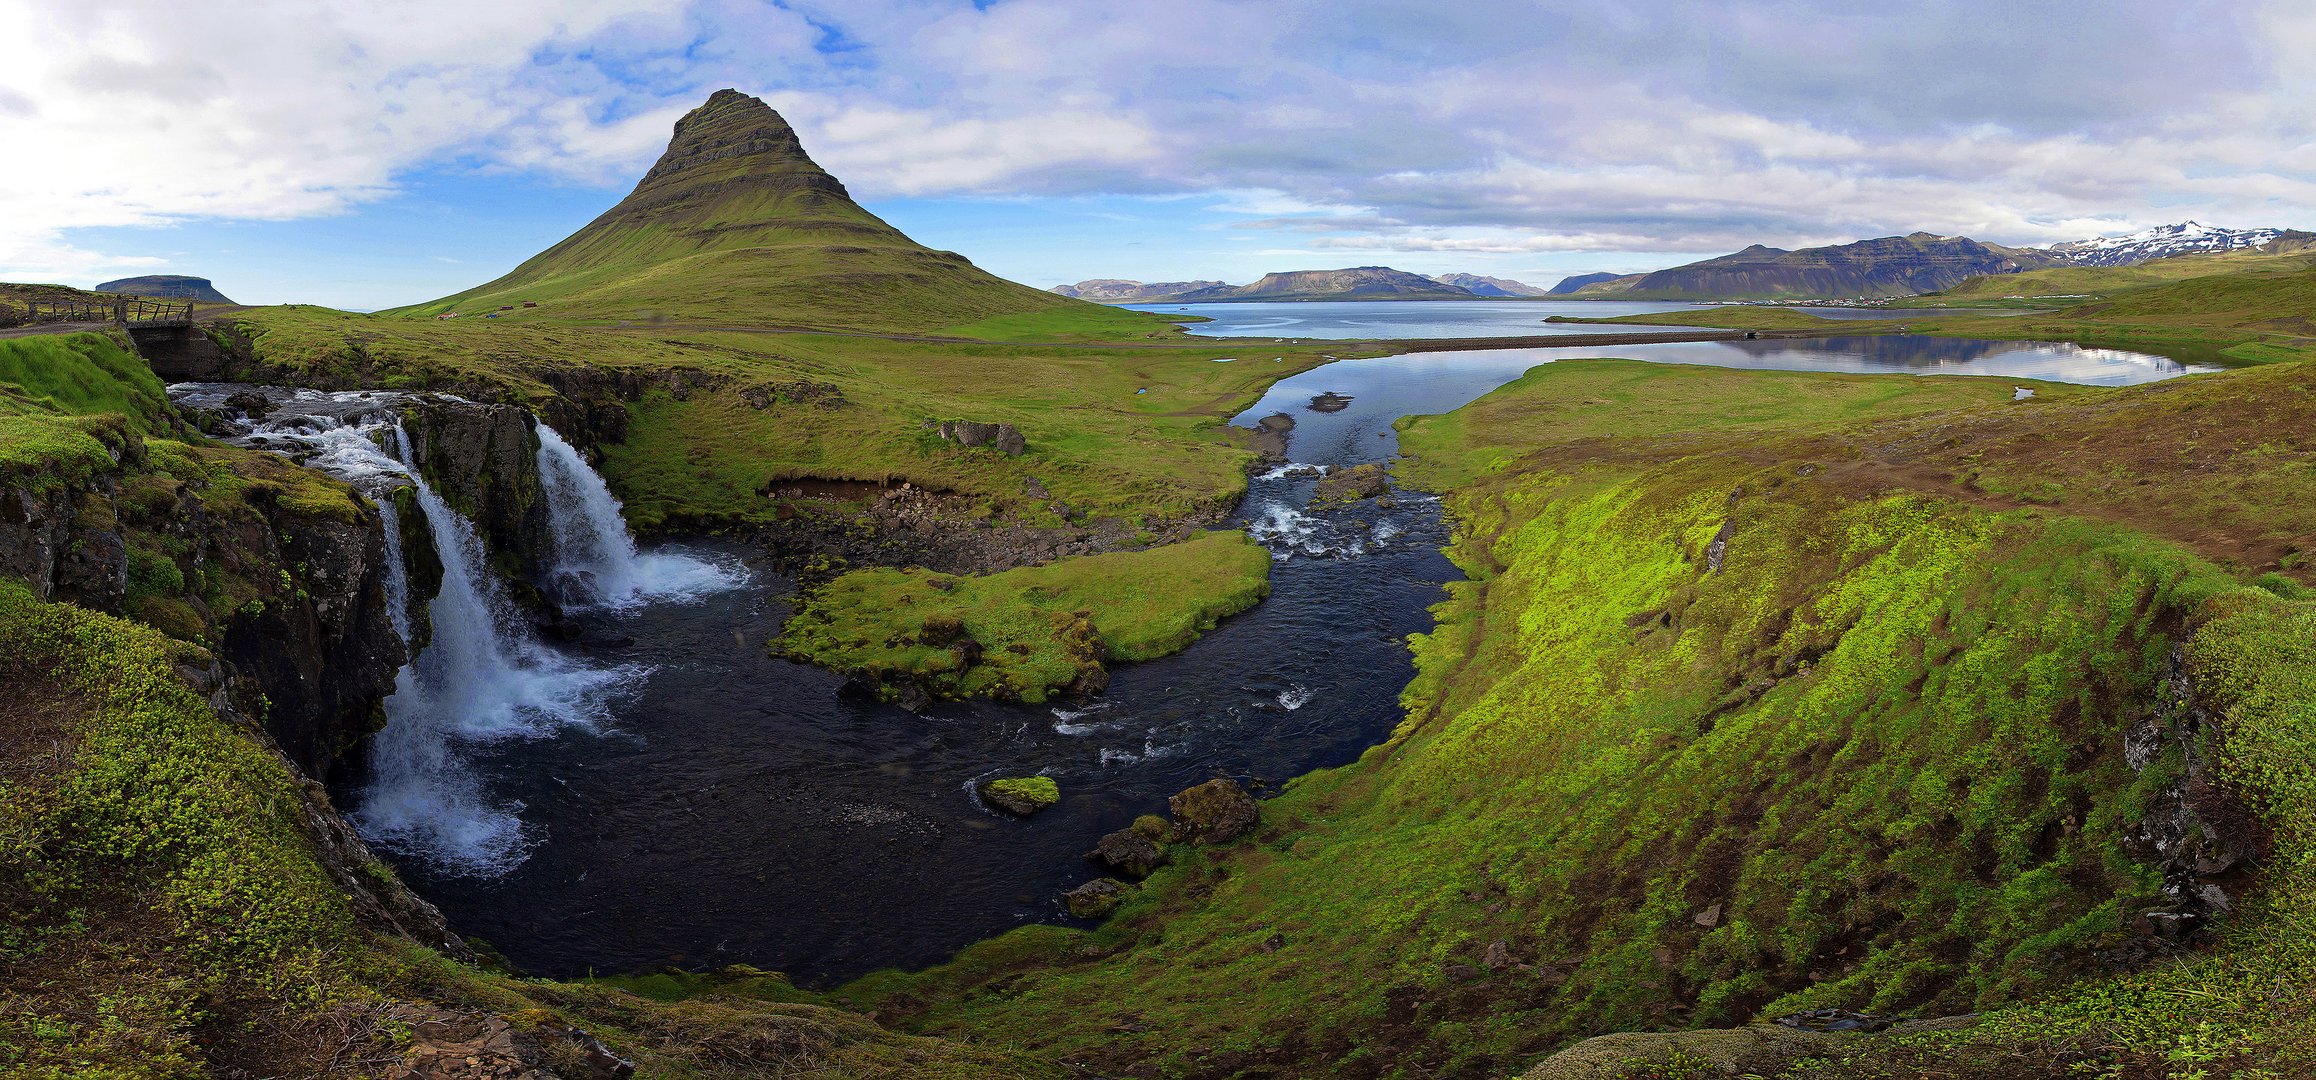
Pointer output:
x,y
735,225
1025,634
1724,728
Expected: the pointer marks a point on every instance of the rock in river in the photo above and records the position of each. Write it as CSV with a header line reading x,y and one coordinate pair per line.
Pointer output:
x,y
1021,795
1130,853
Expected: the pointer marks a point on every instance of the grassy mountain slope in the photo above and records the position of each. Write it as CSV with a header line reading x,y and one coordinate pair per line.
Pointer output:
x,y
735,225
1730,725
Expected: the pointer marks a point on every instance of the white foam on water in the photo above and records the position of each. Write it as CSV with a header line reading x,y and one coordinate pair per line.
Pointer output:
x,y
1295,696
1065,721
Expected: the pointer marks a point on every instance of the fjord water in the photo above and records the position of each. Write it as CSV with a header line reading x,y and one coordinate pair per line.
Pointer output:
x,y
1382,389
1362,319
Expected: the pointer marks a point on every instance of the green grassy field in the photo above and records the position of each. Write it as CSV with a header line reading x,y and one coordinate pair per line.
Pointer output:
x,y
1024,634
1574,400
1127,433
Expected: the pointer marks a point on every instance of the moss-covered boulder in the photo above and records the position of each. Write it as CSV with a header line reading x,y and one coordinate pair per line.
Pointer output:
x,y
1215,812
1130,853
1096,898
1021,795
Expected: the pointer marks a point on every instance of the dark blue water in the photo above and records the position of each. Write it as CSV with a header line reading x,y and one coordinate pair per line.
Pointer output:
x,y
741,810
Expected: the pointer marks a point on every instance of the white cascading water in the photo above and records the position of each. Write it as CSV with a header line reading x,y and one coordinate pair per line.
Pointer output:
x,y
596,564
483,675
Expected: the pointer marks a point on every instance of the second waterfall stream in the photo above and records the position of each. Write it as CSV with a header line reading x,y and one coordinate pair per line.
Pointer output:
x,y
481,674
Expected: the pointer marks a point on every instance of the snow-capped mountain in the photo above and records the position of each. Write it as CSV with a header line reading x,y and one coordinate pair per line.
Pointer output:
x,y
2160,242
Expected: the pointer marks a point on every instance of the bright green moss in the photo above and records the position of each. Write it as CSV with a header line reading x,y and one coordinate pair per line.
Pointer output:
x,y
1035,791
1024,634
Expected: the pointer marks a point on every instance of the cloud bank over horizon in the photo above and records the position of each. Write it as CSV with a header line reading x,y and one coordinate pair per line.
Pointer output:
x,y
1481,131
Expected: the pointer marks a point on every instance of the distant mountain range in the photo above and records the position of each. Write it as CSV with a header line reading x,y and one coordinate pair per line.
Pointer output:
x,y
2162,242
1885,266
167,287
1349,283
1882,267
1478,285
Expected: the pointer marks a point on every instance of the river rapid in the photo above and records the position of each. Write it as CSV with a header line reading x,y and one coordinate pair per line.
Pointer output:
x,y
663,792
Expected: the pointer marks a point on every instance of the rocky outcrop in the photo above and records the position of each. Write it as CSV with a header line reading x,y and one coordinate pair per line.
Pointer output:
x,y
1215,812
2199,833
1342,486
1021,796
484,461
821,527
1096,898
1269,437
65,543
1717,1054
1003,437
1129,852
290,600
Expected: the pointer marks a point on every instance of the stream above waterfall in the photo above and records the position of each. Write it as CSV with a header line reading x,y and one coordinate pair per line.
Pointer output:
x,y
695,802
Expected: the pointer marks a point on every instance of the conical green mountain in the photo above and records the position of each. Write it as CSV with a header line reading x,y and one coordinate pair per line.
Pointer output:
x,y
736,225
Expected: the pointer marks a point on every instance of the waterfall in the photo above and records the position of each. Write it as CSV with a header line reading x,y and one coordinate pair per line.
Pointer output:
x,y
397,569
596,564
483,677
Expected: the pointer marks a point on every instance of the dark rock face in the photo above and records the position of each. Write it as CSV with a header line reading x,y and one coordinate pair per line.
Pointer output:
x,y
305,642
1129,853
1096,898
483,460
1215,812
2200,833
1329,402
64,543
972,433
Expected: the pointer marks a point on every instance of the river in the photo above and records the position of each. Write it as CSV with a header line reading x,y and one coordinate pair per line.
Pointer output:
x,y
720,806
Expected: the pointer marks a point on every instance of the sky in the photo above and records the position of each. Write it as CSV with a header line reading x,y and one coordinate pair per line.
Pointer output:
x,y
370,153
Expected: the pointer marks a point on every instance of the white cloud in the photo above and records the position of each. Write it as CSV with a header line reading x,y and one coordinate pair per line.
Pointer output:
x,y
1653,125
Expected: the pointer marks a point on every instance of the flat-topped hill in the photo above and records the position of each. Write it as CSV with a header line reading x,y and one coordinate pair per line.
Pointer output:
x,y
167,287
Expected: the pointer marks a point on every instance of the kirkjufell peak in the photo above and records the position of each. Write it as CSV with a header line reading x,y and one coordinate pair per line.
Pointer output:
x,y
736,224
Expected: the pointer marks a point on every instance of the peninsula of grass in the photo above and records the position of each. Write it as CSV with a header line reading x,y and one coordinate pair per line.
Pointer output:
x,y
1573,400
2246,310
1026,634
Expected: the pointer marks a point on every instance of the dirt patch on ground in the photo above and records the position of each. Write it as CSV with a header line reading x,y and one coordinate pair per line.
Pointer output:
x,y
36,721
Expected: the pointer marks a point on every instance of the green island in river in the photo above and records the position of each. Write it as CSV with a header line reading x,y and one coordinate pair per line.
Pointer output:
x,y
1979,725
